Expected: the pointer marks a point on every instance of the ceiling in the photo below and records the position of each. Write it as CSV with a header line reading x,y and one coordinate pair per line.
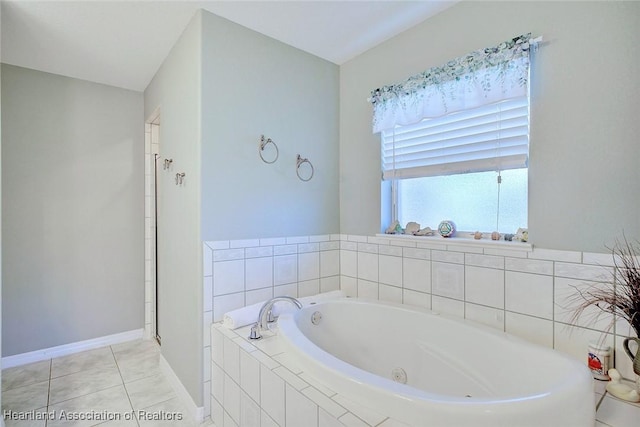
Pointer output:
x,y
123,43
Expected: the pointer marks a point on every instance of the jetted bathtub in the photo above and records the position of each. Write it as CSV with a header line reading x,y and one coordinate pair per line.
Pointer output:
x,y
426,369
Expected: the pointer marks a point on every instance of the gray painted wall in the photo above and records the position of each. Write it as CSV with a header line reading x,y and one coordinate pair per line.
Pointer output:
x,y
221,87
254,85
72,210
175,90
1,207
583,175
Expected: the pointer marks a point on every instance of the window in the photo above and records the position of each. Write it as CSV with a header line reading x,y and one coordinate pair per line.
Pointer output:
x,y
475,201
455,141
470,167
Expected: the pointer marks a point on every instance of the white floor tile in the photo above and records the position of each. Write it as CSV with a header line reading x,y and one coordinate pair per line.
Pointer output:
x,y
113,400
9,422
169,413
25,375
82,383
92,359
134,348
26,398
149,391
137,366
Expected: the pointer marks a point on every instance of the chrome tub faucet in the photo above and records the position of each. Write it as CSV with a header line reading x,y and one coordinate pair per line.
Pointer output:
x,y
266,315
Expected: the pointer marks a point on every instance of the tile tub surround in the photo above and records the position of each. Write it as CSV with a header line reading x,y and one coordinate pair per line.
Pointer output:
x,y
255,383
238,273
513,288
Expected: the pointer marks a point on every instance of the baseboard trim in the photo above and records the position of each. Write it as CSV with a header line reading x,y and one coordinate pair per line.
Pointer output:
x,y
66,349
197,412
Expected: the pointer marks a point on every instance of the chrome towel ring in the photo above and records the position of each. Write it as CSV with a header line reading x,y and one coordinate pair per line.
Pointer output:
x,y
299,162
263,144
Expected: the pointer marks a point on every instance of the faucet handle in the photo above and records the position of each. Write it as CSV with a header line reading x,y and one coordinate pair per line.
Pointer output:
x,y
270,317
255,332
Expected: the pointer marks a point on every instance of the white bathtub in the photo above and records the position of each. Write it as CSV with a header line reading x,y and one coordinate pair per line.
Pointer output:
x,y
458,373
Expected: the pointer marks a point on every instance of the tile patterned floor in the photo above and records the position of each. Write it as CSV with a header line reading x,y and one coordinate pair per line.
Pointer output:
x,y
118,386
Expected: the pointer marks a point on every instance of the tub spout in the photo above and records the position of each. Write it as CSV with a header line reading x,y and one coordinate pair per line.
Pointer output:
x,y
261,324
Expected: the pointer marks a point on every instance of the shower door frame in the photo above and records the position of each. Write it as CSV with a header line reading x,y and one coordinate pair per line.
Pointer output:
x,y
152,193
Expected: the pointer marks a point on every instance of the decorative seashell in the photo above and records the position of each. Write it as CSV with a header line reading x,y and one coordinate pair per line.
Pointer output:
x,y
522,235
495,236
411,228
477,235
392,228
427,231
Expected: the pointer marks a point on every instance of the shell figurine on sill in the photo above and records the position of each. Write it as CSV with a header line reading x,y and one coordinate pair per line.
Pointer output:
x,y
412,228
495,235
394,228
477,235
427,231
522,235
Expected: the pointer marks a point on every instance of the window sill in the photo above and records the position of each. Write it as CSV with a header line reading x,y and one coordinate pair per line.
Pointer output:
x,y
460,240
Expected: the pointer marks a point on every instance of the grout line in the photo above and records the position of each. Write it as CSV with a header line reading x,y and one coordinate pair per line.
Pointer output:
x,y
87,394
504,297
46,422
124,385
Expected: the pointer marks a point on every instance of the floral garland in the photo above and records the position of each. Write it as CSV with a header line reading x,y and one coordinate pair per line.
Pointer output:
x,y
506,63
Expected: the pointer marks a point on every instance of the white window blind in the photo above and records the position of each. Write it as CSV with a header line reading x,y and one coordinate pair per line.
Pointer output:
x,y
487,138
